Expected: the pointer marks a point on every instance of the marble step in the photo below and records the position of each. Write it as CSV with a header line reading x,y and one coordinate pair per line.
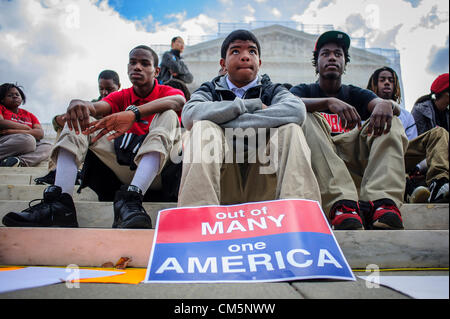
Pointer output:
x,y
100,214
30,192
93,247
89,214
23,171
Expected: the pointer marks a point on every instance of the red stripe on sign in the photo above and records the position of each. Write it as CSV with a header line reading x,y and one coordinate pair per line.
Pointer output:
x,y
208,223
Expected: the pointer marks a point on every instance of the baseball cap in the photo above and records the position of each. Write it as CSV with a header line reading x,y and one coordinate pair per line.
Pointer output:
x,y
333,36
440,84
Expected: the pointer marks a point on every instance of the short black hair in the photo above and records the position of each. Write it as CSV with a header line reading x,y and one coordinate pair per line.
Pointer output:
x,y
175,39
5,87
110,75
154,55
243,35
317,50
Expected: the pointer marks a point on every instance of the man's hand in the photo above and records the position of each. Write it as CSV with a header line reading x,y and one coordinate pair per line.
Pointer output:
x,y
78,112
381,118
348,114
120,123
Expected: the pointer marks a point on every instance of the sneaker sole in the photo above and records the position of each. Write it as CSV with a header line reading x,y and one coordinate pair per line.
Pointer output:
x,y
9,222
349,224
385,226
139,222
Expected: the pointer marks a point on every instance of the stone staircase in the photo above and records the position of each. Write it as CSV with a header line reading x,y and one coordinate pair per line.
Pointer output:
x,y
423,244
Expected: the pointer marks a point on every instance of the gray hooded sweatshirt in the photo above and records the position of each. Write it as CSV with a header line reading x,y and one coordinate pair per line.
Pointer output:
x,y
243,113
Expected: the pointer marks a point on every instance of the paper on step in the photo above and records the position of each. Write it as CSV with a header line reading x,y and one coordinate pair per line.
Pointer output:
x,y
32,277
419,287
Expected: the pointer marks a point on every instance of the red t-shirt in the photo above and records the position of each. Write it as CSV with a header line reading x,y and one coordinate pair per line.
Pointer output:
x,y
22,117
120,100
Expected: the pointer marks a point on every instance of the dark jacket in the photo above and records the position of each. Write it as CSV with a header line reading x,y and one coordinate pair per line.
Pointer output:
x,y
172,61
425,116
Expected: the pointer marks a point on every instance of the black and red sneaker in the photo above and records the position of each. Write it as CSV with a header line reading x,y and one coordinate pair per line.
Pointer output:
x,y
386,215
344,215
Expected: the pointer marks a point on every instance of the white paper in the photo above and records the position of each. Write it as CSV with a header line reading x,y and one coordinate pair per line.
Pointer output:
x,y
32,277
418,287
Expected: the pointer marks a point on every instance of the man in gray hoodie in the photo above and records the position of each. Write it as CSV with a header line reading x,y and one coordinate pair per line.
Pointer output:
x,y
236,112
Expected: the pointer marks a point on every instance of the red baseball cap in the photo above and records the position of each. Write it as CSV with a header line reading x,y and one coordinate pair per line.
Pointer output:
x,y
440,84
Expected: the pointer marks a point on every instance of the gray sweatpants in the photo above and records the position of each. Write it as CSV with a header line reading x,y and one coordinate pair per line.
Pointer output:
x,y
25,147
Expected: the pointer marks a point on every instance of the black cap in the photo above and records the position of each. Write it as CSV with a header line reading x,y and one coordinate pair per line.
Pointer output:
x,y
333,36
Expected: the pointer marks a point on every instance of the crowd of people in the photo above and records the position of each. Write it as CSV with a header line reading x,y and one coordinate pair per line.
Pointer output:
x,y
238,138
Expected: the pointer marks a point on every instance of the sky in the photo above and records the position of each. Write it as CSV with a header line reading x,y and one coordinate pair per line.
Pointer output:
x,y
55,49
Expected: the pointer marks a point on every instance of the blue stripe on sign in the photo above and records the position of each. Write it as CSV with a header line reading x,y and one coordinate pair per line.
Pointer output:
x,y
274,257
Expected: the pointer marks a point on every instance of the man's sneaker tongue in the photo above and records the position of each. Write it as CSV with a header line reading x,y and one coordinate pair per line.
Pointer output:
x,y
52,193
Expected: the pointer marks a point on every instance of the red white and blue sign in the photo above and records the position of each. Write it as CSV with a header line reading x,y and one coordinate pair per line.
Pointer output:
x,y
277,240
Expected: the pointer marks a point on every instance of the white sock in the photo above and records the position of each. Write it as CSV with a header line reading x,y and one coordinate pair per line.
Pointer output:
x,y
146,171
66,171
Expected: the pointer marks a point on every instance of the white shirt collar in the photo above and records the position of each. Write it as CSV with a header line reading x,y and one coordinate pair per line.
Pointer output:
x,y
241,91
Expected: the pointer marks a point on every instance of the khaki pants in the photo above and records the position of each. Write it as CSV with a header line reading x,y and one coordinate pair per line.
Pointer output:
x,y
164,134
432,146
355,166
25,147
210,178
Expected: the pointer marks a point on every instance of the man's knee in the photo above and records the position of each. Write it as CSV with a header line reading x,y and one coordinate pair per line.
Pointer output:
x,y
204,124
25,143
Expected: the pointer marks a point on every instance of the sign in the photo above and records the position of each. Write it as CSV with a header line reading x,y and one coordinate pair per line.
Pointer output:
x,y
263,241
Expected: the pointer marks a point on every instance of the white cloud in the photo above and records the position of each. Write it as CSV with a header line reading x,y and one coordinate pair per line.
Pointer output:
x,y
276,12
56,49
413,30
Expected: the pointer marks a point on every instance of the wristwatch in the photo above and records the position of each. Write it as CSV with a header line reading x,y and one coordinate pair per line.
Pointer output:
x,y
136,112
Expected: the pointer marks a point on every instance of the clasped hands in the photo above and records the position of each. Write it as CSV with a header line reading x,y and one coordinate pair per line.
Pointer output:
x,y
78,119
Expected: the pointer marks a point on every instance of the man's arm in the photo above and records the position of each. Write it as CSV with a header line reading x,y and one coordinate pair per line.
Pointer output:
x,y
121,122
79,112
348,114
7,124
285,109
202,107
8,127
381,113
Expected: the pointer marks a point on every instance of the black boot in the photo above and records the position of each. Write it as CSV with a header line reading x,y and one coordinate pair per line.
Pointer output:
x,y
128,210
55,210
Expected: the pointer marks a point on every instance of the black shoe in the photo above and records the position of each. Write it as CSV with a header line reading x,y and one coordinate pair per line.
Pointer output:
x,y
128,210
10,162
48,179
439,191
55,210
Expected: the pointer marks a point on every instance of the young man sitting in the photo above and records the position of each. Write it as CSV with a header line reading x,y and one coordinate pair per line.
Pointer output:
x,y
146,109
248,106
347,156
431,146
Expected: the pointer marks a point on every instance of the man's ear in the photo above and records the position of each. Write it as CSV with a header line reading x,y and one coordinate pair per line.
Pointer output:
x,y
222,64
157,70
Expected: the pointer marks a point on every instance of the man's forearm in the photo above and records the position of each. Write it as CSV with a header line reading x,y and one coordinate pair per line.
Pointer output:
x,y
315,104
174,102
6,124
